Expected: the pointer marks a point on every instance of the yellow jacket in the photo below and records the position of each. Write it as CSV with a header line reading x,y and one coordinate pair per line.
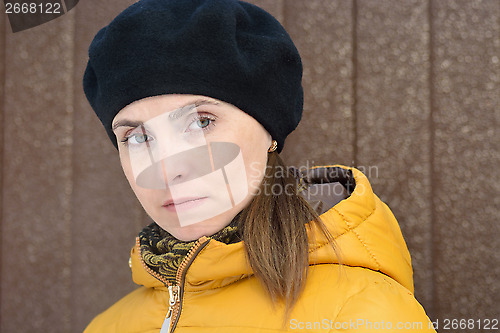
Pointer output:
x,y
371,291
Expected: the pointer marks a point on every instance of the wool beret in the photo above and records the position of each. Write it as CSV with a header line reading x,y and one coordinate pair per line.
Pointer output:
x,y
225,49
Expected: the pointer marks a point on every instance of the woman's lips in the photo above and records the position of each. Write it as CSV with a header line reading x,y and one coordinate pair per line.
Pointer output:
x,y
183,204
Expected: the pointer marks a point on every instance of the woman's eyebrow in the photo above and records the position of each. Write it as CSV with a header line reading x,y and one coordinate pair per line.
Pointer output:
x,y
190,106
173,115
127,123
176,114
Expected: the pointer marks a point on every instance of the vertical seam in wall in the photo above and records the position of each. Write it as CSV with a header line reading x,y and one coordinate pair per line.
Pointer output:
x,y
3,39
71,167
283,14
63,4
433,229
354,111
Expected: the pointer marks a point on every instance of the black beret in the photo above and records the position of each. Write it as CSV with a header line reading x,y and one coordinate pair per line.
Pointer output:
x,y
225,49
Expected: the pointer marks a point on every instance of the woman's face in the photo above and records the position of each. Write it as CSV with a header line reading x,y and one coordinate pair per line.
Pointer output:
x,y
193,162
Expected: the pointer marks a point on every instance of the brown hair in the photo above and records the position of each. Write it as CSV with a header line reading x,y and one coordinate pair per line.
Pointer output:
x,y
274,233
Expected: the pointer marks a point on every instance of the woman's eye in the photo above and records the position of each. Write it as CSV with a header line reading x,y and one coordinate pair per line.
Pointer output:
x,y
200,123
136,139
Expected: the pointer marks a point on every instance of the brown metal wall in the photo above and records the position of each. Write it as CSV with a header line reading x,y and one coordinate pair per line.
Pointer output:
x,y
409,91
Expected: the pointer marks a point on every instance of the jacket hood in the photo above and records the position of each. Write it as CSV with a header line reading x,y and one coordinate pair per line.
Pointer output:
x,y
365,231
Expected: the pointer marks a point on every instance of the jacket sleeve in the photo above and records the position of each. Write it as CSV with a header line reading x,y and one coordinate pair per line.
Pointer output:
x,y
384,306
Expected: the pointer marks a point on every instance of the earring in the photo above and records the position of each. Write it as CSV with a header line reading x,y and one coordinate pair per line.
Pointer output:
x,y
273,146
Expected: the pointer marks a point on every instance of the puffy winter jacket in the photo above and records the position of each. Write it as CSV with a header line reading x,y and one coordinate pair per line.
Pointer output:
x,y
372,290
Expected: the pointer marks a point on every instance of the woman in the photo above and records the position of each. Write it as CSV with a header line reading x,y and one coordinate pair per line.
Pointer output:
x,y
198,96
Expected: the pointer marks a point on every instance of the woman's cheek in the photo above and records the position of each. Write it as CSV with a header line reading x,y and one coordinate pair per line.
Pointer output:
x,y
255,174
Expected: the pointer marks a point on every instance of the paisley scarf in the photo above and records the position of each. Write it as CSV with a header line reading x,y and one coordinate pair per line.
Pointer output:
x,y
163,253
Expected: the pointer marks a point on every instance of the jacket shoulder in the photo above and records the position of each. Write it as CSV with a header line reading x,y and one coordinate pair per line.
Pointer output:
x,y
382,303
356,299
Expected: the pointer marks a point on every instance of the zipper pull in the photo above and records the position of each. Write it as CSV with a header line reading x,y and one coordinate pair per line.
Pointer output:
x,y
172,301
174,297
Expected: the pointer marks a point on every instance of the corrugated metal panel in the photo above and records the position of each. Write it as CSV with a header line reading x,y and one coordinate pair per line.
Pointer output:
x,y
411,88
323,33
36,221
466,114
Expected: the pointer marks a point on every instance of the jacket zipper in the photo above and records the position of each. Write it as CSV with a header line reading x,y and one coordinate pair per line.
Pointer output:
x,y
174,290
180,277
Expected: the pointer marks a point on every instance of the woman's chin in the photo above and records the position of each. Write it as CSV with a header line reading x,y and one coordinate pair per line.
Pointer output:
x,y
194,231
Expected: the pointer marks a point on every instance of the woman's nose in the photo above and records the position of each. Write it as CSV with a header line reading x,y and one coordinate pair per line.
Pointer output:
x,y
186,165
175,157
174,170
